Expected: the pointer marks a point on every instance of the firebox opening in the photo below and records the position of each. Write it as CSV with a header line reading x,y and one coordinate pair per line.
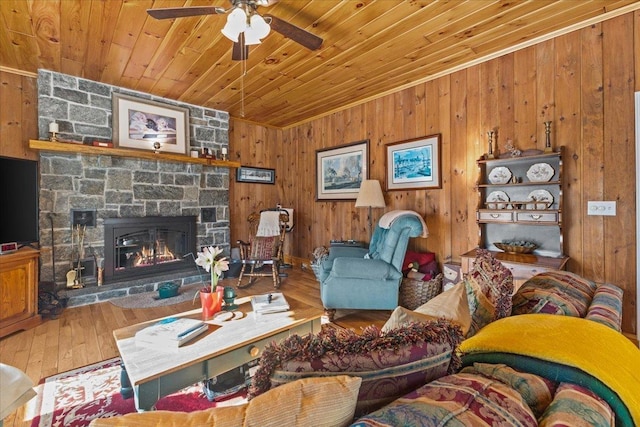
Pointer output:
x,y
149,246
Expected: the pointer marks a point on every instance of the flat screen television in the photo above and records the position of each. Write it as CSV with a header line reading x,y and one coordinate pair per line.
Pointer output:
x,y
18,201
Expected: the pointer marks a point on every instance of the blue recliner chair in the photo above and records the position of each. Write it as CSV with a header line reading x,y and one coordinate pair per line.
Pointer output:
x,y
369,279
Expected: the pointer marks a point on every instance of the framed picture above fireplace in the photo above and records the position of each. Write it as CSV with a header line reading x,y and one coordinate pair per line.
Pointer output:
x,y
149,125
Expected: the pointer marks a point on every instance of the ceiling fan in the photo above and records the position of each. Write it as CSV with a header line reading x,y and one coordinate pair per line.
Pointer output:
x,y
245,26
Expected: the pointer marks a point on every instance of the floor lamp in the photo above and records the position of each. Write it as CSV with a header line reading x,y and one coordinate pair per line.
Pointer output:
x,y
370,196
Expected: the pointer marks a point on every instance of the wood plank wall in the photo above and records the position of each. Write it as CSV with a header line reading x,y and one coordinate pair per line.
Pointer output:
x,y
18,115
583,82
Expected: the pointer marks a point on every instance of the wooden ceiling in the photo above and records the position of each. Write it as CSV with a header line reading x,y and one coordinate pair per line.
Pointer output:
x,y
370,48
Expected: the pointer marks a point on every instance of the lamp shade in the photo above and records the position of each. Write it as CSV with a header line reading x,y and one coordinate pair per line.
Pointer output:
x,y
370,195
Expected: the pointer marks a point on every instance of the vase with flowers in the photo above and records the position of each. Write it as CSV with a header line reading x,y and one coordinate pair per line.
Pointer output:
x,y
211,297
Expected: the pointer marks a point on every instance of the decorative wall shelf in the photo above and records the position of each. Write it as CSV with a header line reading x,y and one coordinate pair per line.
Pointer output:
x,y
67,147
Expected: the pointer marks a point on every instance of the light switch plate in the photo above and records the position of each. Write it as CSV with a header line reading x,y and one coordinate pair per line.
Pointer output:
x,y
601,208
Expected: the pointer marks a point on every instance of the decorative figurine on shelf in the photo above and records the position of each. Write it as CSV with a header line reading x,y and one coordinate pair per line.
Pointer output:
x,y
547,131
53,130
156,147
490,153
510,146
223,150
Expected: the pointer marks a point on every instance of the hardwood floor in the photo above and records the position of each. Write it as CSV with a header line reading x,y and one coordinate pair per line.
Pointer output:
x,y
83,335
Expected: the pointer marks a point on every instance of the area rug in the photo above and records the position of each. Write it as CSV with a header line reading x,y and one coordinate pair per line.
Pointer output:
x,y
150,299
76,397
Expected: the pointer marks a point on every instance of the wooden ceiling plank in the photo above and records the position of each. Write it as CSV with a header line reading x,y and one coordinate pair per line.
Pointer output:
x,y
74,17
103,21
17,16
130,22
46,27
8,54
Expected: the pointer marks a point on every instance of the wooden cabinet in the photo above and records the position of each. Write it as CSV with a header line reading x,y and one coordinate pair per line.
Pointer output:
x,y
520,199
19,291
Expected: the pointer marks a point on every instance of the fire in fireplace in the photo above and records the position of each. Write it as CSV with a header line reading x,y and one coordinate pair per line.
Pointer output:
x,y
149,246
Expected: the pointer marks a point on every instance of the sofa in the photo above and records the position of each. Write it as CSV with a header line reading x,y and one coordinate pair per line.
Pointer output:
x,y
477,354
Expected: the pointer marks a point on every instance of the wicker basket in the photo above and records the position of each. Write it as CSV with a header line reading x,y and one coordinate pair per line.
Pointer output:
x,y
414,293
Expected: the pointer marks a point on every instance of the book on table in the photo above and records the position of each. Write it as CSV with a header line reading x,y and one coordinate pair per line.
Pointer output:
x,y
269,303
171,332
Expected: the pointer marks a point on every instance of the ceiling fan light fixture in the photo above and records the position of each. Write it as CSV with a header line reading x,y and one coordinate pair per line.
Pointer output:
x,y
259,25
236,24
250,37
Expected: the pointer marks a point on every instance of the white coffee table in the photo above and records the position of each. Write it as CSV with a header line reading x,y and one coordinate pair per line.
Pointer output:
x,y
226,345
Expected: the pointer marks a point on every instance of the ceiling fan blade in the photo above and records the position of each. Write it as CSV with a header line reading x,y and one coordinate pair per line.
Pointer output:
x,y
238,53
180,12
297,34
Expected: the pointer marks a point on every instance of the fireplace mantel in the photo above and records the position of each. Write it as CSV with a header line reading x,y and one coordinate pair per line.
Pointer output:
x,y
67,147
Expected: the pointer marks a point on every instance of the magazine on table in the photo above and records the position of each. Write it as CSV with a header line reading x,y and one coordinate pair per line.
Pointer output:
x,y
269,303
171,332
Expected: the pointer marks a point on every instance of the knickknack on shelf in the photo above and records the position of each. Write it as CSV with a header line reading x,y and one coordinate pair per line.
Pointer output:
x,y
123,152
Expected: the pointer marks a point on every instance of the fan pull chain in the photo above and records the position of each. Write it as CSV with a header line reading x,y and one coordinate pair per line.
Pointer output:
x,y
244,72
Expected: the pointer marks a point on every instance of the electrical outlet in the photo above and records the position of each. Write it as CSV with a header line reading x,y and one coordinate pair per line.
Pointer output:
x,y
601,208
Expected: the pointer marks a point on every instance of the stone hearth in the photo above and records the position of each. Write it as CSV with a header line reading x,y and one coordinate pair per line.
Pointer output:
x,y
95,294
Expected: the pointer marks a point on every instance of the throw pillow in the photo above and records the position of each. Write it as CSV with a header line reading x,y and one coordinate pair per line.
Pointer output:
x,y
326,401
570,406
450,305
455,400
489,286
535,390
606,306
554,292
390,363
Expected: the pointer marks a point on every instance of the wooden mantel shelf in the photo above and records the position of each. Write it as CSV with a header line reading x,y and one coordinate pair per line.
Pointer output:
x,y
67,147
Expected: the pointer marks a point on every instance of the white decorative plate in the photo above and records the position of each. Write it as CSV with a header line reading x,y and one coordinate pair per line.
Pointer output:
x,y
500,175
495,197
542,198
540,172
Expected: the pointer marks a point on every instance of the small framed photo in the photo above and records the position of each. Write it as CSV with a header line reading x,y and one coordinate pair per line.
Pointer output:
x,y
149,125
414,164
340,171
256,175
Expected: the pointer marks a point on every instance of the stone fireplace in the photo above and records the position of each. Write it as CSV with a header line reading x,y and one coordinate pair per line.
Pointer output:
x,y
114,188
148,246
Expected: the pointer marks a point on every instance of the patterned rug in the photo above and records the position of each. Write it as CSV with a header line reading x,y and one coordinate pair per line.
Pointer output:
x,y
76,397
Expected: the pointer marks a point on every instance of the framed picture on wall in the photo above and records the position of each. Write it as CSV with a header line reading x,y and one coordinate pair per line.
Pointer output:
x,y
414,164
149,125
340,171
256,175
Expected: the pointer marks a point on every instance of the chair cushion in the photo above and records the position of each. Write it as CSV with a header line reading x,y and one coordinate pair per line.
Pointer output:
x,y
390,363
263,247
489,286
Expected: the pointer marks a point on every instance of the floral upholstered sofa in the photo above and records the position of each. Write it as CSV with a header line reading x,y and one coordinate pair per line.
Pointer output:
x,y
551,354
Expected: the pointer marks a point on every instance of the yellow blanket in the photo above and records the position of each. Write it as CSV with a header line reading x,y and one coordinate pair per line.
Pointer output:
x,y
589,346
